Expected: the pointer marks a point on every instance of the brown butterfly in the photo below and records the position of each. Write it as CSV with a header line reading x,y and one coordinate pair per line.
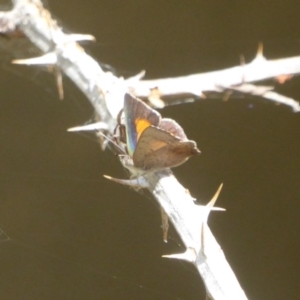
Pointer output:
x,y
154,143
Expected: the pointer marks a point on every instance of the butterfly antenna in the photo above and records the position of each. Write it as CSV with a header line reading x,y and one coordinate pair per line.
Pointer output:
x,y
116,146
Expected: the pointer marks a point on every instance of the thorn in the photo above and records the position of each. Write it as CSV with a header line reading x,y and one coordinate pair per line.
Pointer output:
x,y
89,127
47,59
259,55
242,60
203,96
198,93
137,182
189,255
208,243
204,210
209,207
59,82
215,208
165,224
136,77
260,50
79,37
203,226
212,202
227,95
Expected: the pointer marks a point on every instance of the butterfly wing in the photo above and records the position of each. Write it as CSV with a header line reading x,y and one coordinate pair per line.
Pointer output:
x,y
172,127
138,116
158,149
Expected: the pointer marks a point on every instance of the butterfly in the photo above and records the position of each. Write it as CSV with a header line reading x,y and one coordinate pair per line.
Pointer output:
x,y
154,143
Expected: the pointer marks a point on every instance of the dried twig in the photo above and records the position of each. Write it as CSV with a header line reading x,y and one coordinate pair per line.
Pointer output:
x,y
234,78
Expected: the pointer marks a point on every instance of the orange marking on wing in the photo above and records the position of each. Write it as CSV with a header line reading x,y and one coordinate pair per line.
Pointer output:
x,y
141,125
156,145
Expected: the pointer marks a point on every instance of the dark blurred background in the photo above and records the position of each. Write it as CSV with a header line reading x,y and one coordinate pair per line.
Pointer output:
x,y
68,233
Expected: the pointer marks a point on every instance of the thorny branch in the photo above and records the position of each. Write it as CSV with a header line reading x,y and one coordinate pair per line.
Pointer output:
x,y
231,79
106,94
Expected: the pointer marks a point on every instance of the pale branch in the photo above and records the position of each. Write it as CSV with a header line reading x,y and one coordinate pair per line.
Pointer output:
x,y
265,92
106,94
218,81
